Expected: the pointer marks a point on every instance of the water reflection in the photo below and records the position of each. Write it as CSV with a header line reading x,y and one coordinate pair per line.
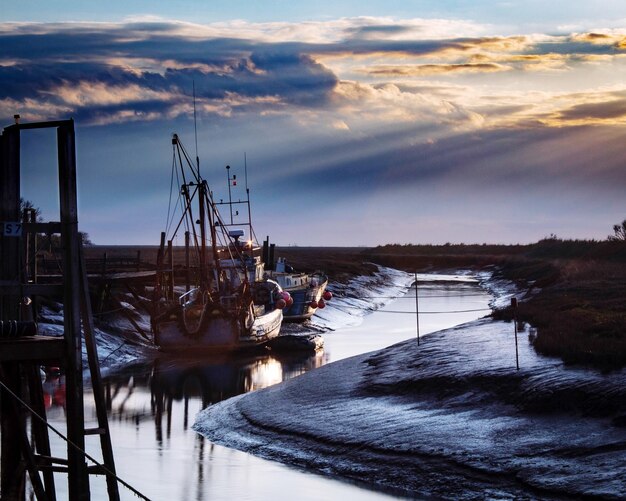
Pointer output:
x,y
152,406
207,380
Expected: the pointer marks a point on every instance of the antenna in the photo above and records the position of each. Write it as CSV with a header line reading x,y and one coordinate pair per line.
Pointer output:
x,y
245,167
195,125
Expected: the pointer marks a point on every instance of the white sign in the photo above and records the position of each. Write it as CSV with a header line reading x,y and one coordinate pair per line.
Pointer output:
x,y
12,229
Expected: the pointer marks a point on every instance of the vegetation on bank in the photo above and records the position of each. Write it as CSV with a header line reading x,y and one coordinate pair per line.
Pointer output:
x,y
576,290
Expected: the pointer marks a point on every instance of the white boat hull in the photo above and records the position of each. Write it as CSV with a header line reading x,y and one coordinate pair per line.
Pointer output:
x,y
219,333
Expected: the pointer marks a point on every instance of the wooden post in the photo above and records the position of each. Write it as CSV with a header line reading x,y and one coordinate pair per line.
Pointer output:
x,y
12,476
158,290
514,306
78,480
187,271
417,312
170,255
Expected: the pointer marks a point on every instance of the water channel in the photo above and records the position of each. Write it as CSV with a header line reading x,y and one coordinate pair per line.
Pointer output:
x,y
152,407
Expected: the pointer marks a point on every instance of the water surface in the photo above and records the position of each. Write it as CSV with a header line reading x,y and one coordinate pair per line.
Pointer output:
x,y
152,407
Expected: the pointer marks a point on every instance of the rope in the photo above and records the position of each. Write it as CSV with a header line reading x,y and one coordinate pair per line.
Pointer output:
x,y
102,313
90,458
426,297
435,312
169,205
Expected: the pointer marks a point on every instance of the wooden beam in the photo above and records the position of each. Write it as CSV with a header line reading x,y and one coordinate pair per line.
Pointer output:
x,y
12,477
44,348
78,480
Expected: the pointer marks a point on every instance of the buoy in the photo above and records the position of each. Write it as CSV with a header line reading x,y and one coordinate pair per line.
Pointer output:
x,y
321,304
328,295
285,295
313,304
289,302
281,303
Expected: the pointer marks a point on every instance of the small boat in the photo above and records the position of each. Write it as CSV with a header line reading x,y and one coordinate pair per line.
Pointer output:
x,y
227,301
307,290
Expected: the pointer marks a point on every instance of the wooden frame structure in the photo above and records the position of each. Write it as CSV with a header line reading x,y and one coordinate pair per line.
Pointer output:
x,y
22,353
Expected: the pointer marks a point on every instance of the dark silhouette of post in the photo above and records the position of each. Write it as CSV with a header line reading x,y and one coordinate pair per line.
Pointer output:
x,y
514,306
417,312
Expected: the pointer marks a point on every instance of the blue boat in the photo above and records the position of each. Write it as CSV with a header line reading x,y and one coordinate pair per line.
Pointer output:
x,y
307,290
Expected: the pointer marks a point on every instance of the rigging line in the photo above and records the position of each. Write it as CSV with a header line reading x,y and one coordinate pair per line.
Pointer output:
x,y
179,148
169,205
428,297
195,126
179,201
427,312
169,225
76,447
187,211
196,174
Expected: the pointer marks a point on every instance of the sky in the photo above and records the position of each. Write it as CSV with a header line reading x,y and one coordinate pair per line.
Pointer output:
x,y
362,123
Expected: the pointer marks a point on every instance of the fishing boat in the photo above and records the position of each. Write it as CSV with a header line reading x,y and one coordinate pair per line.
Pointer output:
x,y
221,298
307,290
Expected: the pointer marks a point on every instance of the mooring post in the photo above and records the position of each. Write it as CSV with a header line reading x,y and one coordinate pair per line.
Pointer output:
x,y
187,271
417,312
158,290
514,306
170,255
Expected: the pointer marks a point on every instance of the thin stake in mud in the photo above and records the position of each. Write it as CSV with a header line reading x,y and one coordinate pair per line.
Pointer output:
x,y
514,306
417,314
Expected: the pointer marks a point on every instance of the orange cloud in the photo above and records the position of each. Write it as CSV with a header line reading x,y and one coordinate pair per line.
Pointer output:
x,y
421,70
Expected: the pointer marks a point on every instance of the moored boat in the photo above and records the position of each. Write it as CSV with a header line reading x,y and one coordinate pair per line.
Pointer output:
x,y
307,290
227,302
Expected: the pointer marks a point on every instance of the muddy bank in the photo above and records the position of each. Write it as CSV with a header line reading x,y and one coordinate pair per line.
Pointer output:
x,y
451,418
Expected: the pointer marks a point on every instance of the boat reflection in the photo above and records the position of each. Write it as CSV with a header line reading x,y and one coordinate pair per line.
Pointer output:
x,y
148,391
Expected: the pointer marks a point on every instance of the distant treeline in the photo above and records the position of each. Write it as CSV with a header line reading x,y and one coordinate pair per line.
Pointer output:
x,y
547,248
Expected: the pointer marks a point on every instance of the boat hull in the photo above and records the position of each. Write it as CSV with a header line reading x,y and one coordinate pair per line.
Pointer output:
x,y
222,332
303,296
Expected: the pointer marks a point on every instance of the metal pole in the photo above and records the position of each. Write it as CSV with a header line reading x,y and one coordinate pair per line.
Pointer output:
x,y
514,306
417,315
230,201
245,166
187,272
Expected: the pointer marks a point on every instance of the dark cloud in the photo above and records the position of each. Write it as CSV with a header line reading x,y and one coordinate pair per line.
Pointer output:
x,y
372,31
39,64
158,57
603,110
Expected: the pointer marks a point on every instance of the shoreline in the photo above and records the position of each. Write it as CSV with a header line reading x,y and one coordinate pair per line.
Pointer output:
x,y
393,419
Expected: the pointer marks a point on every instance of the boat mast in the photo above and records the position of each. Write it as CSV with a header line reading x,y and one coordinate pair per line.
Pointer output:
x,y
230,200
213,221
245,166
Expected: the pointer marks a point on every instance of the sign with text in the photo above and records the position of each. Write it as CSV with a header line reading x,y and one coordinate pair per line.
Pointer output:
x,y
12,229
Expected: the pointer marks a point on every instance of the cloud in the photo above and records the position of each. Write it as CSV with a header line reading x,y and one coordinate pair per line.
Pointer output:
x,y
434,69
600,111
357,72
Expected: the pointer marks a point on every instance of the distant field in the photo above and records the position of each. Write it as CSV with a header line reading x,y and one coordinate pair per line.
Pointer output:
x,y
579,305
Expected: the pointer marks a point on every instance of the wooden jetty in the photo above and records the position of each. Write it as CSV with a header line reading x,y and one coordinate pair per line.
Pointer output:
x,y
23,350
